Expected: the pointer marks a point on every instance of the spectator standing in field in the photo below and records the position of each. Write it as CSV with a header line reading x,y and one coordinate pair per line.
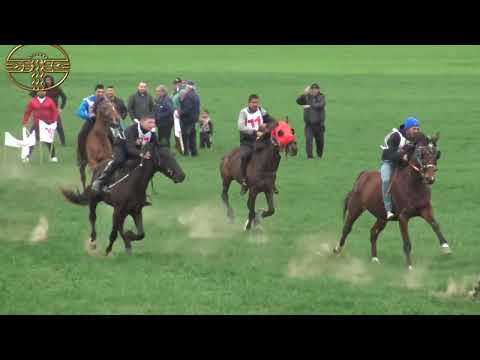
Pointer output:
x,y
313,102
55,94
118,103
189,113
206,130
163,112
140,103
41,107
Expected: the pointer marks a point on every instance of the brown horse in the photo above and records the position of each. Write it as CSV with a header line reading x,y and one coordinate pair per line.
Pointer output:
x,y
128,194
261,172
98,145
410,189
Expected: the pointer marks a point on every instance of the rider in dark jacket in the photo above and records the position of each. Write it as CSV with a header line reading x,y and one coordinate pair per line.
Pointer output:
x,y
127,145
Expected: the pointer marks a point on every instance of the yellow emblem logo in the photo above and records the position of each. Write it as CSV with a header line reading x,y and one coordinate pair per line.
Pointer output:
x,y
27,65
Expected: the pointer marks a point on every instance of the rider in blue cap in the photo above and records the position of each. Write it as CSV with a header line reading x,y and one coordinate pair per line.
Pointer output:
x,y
397,143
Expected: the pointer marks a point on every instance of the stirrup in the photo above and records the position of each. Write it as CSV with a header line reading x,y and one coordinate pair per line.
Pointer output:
x,y
96,186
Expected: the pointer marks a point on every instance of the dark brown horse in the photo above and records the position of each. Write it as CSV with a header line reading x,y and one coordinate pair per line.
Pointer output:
x,y
128,193
410,189
98,146
261,173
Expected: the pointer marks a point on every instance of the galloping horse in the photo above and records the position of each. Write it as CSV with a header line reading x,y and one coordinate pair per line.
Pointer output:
x,y
128,193
410,189
98,145
262,169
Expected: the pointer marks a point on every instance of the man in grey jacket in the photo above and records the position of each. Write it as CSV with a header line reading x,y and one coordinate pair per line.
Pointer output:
x,y
189,113
313,102
140,103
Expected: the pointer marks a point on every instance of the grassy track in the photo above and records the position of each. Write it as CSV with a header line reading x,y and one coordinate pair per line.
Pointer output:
x,y
191,260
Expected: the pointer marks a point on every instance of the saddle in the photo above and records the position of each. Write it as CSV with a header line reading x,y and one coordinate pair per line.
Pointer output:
x,y
121,173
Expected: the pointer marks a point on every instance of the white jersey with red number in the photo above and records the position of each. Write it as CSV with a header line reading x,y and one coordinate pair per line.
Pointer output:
x,y
253,121
250,122
143,138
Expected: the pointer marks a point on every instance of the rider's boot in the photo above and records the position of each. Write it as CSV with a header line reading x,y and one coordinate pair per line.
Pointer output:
x,y
243,182
99,181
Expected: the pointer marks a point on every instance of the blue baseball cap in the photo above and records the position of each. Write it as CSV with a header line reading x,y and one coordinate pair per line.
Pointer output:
x,y
411,122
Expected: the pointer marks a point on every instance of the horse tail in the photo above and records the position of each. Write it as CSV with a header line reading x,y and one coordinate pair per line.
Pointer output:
x,y
75,197
347,198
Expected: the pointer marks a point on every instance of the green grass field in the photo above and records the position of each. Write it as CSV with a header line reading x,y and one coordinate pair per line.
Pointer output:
x,y
192,261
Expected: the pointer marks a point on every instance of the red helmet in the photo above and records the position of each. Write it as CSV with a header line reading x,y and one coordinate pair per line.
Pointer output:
x,y
283,134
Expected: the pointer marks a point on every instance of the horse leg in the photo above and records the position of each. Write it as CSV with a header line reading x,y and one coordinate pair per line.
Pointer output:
x,y
226,186
427,214
93,219
374,232
138,219
118,219
407,246
353,214
83,177
271,208
252,196
126,239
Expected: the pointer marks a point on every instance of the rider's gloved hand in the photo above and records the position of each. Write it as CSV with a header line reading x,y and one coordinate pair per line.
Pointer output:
x,y
146,156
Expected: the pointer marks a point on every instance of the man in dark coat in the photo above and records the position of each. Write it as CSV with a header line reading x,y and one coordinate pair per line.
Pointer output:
x,y
117,102
140,103
163,111
313,102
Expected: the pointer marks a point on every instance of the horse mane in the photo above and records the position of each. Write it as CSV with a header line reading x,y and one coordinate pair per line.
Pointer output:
x,y
97,103
421,139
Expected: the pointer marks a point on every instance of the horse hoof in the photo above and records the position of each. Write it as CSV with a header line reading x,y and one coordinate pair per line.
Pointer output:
x,y
92,245
128,251
246,227
337,250
375,260
410,267
446,249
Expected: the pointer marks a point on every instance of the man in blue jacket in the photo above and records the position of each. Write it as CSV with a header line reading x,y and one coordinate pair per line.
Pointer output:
x,y
85,112
163,112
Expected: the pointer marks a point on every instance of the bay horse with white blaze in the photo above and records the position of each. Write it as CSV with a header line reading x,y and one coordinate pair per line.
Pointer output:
x,y
127,193
261,170
410,189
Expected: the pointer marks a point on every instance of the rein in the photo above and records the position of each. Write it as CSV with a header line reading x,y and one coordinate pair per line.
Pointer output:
x,y
125,177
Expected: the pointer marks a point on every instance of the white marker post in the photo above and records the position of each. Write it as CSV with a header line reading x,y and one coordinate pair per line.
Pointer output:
x,y
47,134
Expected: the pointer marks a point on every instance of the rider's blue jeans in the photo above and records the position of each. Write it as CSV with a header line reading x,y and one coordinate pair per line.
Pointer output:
x,y
386,171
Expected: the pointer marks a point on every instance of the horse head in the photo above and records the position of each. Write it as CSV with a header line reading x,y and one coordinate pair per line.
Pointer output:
x,y
283,136
425,156
165,162
105,110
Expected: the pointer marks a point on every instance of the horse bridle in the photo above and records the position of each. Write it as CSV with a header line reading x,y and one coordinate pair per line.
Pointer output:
x,y
421,170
